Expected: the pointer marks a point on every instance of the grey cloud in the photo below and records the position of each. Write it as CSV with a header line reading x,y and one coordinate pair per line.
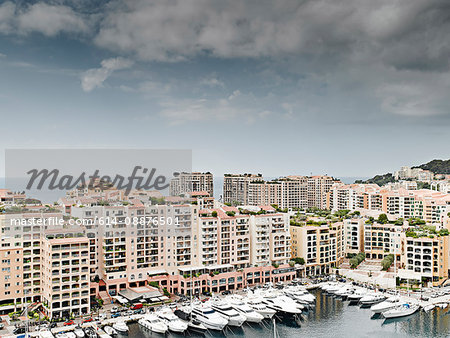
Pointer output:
x,y
40,17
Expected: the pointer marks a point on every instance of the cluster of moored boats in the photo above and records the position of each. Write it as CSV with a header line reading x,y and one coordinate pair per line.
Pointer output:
x,y
232,310
388,307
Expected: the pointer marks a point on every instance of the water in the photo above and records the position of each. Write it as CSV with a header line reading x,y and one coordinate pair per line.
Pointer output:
x,y
335,318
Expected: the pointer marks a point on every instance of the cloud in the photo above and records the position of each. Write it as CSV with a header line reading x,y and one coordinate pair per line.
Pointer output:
x,y
95,77
212,81
47,19
180,29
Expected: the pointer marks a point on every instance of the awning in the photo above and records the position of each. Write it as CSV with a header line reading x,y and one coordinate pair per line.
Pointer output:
x,y
156,272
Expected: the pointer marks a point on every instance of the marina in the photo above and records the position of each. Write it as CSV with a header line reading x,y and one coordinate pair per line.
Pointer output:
x,y
318,309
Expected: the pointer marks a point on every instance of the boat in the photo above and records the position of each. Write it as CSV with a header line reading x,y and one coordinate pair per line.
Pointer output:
x,y
386,305
120,326
357,295
70,334
90,332
209,317
45,333
229,313
257,305
174,323
372,298
429,307
109,330
245,310
197,326
442,305
61,335
79,332
275,302
401,311
153,323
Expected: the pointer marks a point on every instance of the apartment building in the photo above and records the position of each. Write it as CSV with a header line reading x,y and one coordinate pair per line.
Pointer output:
x,y
241,239
381,240
288,192
321,246
235,187
186,183
65,274
414,173
425,259
353,235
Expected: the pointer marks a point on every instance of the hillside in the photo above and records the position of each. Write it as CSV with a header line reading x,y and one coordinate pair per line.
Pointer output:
x,y
436,166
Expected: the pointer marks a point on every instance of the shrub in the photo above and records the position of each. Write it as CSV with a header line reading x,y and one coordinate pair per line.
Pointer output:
x,y
387,262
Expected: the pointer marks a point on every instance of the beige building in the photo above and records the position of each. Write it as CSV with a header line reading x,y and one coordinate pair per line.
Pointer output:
x,y
187,183
322,247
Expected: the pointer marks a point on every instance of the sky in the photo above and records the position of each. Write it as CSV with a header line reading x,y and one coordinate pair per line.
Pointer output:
x,y
345,88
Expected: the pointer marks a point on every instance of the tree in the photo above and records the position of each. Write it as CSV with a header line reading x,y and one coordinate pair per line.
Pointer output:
x,y
214,214
299,260
382,219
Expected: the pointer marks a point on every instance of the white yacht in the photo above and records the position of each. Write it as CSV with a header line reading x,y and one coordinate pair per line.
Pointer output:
x,y
79,332
209,317
244,309
357,295
386,305
279,305
228,312
121,327
109,330
401,311
257,305
153,323
372,298
174,323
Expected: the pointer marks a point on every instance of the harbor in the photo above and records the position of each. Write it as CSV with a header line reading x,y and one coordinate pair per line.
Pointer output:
x,y
320,309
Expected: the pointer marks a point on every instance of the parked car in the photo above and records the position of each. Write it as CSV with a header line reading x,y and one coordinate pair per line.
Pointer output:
x,y
2,326
226,292
115,315
136,306
70,322
114,309
87,320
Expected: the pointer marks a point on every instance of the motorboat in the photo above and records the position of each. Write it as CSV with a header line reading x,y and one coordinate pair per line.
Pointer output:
x,y
401,311
184,313
229,313
61,335
372,298
209,317
89,331
276,302
153,323
120,326
109,330
174,323
386,305
357,295
70,334
79,332
429,307
257,305
245,310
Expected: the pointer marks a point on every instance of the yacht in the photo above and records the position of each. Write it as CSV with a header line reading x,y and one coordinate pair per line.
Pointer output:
x,y
174,323
70,334
153,323
79,332
257,305
372,298
121,327
228,312
209,317
244,309
357,295
386,305
401,311
278,305
109,330
184,313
